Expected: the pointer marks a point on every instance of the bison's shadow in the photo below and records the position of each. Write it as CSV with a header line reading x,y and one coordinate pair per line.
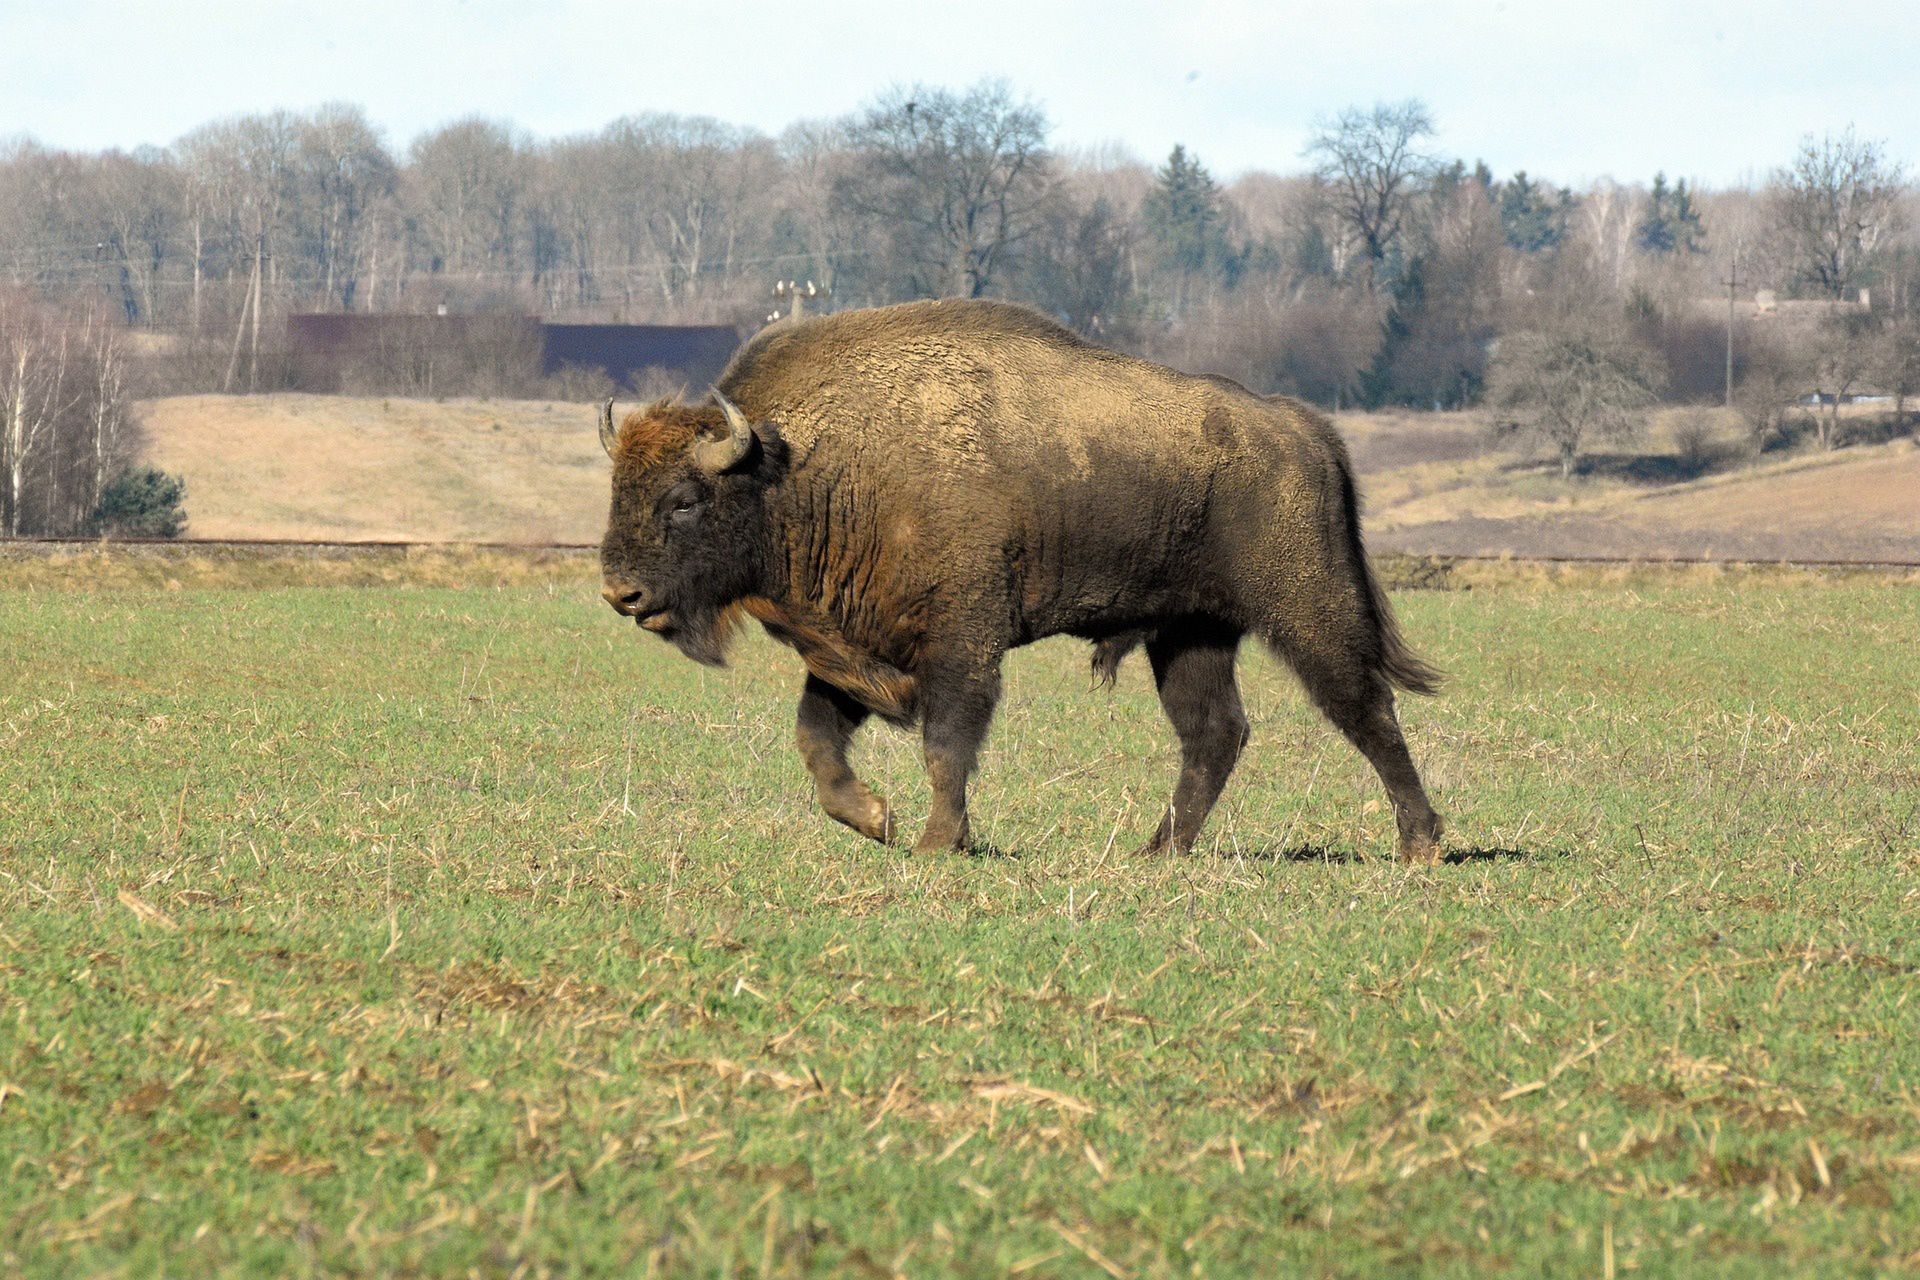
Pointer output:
x,y
1494,853
1328,854
984,851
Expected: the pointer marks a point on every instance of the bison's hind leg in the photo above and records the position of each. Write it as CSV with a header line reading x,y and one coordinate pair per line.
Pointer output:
x,y
1355,694
823,731
1193,669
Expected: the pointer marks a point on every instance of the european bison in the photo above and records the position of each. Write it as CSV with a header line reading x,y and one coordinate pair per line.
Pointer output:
x,y
906,493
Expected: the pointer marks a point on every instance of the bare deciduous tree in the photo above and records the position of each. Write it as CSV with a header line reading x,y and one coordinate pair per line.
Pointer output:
x,y
1832,207
345,173
1896,363
1569,384
106,433
140,204
1323,341
468,180
34,396
819,159
1773,374
1844,352
1079,269
1371,163
64,431
960,179
1603,231
241,190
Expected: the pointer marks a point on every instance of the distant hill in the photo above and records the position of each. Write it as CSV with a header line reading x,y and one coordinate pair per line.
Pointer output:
x,y
337,467
1854,505
1433,486
340,467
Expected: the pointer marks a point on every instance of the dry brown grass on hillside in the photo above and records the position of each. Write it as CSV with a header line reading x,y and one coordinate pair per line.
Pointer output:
x,y
1435,486
335,467
339,467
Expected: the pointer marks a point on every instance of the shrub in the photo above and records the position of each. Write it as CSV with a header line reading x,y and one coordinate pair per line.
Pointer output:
x,y
1698,440
142,502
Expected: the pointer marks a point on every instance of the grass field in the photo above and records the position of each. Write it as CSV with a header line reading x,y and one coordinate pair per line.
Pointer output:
x,y
440,930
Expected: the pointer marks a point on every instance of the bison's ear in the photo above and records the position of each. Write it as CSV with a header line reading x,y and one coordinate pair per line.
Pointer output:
x,y
729,451
608,433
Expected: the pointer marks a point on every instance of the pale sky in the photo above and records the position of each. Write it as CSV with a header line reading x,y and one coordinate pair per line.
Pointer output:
x,y
1719,91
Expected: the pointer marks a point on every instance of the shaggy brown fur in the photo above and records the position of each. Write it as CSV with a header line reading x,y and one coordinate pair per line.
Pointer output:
x,y
930,485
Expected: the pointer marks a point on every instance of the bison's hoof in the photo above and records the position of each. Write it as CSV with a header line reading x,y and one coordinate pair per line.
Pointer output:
x,y
944,838
1420,839
1420,853
1165,840
866,813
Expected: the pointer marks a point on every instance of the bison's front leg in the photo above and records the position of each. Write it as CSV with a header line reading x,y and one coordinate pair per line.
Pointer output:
x,y
1194,672
825,729
954,724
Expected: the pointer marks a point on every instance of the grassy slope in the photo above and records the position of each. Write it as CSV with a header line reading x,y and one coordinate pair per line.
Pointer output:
x,y
297,466
303,466
410,930
1434,486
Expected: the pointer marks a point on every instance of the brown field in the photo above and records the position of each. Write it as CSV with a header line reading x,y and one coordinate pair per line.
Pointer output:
x,y
333,467
340,467
1436,486
1844,507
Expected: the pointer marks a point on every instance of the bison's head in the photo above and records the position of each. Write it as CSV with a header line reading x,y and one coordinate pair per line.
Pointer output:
x,y
687,532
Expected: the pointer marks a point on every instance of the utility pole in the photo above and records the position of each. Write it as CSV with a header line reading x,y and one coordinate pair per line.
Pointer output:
x,y
1733,282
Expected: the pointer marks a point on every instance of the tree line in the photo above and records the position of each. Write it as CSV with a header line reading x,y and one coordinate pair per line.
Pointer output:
x,y
1371,270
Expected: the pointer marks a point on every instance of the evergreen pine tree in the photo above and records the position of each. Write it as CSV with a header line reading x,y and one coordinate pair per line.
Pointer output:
x,y
142,502
1653,234
1531,217
1689,232
1671,224
1186,222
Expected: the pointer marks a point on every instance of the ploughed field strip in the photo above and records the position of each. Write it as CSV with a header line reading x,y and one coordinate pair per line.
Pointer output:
x,y
433,929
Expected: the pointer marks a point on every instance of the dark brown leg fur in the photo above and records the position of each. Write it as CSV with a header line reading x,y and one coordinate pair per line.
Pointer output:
x,y
1193,668
958,713
1360,704
824,730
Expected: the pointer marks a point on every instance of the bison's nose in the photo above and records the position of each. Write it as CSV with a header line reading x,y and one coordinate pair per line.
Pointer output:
x,y
630,601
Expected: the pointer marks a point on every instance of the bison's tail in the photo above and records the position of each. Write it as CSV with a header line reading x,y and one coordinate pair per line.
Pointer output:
x,y
1402,667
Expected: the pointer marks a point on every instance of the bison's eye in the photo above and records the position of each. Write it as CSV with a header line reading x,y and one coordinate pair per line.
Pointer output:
x,y
683,505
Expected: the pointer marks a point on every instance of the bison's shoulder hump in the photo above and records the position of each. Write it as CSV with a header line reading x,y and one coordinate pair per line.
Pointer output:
x,y
850,335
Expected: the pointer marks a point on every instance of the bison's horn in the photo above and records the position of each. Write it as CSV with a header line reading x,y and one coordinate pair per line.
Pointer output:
x,y
607,433
716,456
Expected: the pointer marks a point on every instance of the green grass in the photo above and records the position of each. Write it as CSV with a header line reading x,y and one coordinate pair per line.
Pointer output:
x,y
409,930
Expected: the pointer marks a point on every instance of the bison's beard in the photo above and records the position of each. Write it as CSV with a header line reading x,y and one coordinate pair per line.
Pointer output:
x,y
702,632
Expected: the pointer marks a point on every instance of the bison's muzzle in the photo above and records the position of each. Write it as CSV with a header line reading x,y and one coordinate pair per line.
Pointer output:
x,y
628,601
